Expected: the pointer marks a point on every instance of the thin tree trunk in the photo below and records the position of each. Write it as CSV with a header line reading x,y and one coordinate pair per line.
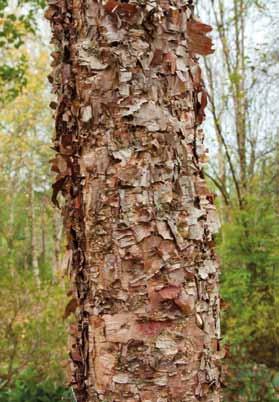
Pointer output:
x,y
43,233
34,251
138,215
239,92
57,235
11,232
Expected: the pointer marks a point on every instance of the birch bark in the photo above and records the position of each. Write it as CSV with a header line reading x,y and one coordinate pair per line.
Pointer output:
x,y
139,217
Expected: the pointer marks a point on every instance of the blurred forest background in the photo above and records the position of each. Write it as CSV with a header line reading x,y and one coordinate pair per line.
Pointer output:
x,y
242,132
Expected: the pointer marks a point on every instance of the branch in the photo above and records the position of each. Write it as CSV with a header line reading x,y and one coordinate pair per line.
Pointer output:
x,y
220,188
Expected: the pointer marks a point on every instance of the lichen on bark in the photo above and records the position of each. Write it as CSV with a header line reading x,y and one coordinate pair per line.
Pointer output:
x,y
138,215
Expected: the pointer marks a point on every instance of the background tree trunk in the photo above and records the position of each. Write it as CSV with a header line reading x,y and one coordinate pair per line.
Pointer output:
x,y
57,236
34,250
138,213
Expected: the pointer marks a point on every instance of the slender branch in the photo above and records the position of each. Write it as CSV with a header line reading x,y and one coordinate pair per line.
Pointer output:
x,y
220,134
220,188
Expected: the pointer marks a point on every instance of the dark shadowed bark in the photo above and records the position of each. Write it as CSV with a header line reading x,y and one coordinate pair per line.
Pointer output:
x,y
137,211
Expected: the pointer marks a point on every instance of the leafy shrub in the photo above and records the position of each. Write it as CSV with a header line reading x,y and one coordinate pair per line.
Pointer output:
x,y
248,382
32,332
28,388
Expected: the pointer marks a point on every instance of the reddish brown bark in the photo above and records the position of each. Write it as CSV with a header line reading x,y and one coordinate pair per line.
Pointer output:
x,y
138,214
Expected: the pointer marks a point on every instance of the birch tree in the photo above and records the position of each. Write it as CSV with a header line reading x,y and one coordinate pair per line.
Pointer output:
x,y
139,218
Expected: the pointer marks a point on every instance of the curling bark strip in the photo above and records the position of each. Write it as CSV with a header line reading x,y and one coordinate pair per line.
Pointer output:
x,y
138,215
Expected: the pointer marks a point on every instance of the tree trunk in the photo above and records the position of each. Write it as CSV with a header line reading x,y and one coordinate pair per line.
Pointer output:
x,y
57,236
34,251
137,210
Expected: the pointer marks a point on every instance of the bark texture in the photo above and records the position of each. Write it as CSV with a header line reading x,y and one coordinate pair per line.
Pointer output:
x,y
138,214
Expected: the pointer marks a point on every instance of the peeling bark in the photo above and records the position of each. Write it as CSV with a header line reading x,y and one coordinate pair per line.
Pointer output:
x,y
139,217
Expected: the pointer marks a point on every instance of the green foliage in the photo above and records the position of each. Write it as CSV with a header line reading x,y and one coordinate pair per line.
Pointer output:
x,y
250,256
25,178
17,22
32,332
249,251
249,382
28,387
13,78
33,339
235,78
